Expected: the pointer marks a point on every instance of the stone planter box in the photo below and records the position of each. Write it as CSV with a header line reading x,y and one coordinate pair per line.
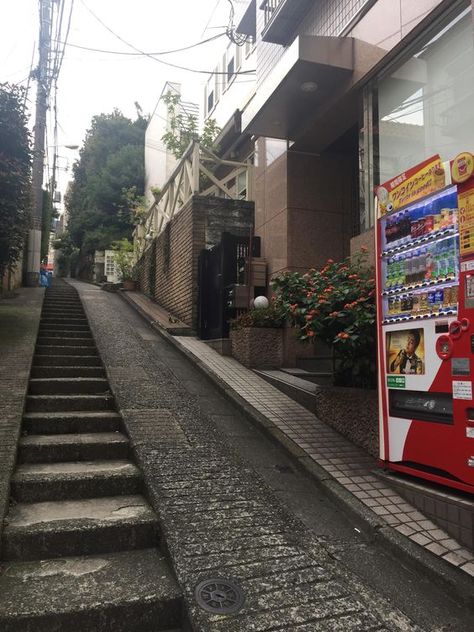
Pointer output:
x,y
129,285
351,411
258,347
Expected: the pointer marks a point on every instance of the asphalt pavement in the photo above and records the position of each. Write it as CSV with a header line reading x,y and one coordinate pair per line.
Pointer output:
x,y
234,505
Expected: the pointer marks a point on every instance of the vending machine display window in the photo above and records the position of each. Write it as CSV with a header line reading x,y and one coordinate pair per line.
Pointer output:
x,y
420,258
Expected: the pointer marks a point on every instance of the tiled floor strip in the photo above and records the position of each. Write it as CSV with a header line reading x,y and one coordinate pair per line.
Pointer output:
x,y
346,463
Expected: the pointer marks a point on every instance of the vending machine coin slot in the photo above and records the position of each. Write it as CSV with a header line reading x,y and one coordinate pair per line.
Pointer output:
x,y
441,327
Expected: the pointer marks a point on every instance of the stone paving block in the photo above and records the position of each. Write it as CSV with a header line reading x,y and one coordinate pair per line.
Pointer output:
x,y
177,488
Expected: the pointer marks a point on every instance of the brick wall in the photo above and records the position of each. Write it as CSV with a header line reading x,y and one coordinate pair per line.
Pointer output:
x,y
173,283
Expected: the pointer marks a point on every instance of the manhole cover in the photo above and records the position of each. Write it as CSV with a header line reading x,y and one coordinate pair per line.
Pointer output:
x,y
219,596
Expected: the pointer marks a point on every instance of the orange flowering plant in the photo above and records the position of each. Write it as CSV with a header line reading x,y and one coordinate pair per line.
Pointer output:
x,y
336,305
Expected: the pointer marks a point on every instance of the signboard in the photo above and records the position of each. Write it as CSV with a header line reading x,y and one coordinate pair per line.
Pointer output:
x,y
411,185
462,389
462,167
396,381
466,220
406,351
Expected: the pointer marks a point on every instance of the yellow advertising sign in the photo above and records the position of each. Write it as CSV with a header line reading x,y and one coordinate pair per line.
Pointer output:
x,y
411,185
466,221
462,167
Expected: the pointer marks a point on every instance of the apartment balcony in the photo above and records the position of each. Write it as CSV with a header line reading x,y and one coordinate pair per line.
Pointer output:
x,y
281,18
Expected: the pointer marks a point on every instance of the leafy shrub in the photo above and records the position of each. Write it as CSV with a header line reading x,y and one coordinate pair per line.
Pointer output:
x,y
271,316
337,306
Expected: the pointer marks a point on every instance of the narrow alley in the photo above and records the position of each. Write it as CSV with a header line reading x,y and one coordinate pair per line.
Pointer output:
x,y
224,503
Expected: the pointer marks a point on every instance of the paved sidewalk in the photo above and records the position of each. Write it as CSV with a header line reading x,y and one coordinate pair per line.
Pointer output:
x,y
19,321
344,469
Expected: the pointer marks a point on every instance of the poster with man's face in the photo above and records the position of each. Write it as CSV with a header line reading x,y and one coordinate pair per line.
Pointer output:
x,y
406,352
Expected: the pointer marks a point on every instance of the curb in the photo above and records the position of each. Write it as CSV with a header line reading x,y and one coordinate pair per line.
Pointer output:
x,y
459,584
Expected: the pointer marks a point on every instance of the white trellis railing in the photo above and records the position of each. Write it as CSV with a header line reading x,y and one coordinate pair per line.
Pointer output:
x,y
199,172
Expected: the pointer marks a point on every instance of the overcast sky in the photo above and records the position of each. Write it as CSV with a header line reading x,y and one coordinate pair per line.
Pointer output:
x,y
90,82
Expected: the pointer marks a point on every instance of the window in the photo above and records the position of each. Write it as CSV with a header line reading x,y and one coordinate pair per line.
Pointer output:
x,y
229,64
210,99
109,266
425,107
249,45
421,108
241,185
230,69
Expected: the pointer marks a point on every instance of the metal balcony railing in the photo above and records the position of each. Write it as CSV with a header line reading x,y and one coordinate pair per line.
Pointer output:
x,y
281,18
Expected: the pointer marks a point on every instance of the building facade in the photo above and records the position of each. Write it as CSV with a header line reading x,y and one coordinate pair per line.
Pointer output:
x,y
347,94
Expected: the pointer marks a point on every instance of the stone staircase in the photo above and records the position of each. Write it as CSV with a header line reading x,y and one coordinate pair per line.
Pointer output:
x,y
79,547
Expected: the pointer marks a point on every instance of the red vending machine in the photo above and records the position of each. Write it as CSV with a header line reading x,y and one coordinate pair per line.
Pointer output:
x,y
425,306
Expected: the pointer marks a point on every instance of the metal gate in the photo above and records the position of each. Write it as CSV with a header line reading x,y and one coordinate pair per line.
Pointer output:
x,y
220,268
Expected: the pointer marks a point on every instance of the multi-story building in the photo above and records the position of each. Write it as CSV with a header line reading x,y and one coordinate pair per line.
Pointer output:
x,y
159,159
347,94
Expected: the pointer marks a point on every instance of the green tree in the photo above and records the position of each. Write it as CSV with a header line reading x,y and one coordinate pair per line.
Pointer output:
x,y
15,175
107,178
184,128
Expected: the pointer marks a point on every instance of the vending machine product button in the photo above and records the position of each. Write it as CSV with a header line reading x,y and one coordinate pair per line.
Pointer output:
x,y
470,433
470,461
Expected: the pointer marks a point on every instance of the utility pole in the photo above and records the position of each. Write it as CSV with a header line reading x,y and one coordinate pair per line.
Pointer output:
x,y
34,235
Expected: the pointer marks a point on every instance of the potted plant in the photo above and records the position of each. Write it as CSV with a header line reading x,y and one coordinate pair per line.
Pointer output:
x,y
124,263
257,337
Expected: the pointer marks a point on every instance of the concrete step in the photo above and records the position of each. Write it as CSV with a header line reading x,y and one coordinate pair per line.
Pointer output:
x,y
67,304
67,360
39,482
62,313
132,591
68,403
73,447
68,386
56,310
57,341
71,422
67,371
76,349
64,350
65,321
35,531
320,378
63,332
320,364
302,391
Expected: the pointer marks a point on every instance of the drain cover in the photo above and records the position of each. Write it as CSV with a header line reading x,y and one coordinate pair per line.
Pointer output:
x,y
219,596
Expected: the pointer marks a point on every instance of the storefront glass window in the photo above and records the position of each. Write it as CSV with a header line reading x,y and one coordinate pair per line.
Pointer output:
x,y
426,106
423,107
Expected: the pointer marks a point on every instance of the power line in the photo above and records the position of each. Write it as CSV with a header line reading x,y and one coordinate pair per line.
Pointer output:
x,y
164,52
65,40
160,61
